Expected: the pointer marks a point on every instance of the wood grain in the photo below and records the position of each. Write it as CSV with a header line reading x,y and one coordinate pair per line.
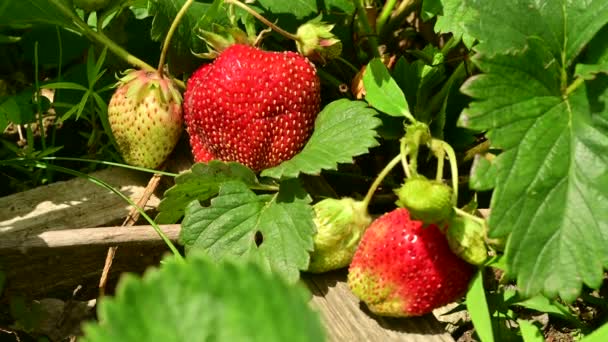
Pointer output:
x,y
72,204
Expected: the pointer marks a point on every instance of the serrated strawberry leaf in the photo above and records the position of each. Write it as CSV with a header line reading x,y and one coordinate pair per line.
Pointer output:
x,y
343,129
200,183
199,300
451,18
274,230
551,194
564,26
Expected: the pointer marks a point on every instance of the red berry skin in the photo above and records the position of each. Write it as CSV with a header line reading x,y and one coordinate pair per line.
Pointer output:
x,y
251,106
403,268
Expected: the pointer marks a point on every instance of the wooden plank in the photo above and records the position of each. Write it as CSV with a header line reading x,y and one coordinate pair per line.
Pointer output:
x,y
58,261
54,263
73,203
347,319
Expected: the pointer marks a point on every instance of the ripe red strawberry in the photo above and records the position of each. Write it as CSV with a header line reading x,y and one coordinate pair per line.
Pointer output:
x,y
404,268
251,106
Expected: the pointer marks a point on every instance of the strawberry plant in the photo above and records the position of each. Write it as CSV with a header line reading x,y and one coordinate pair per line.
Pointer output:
x,y
367,135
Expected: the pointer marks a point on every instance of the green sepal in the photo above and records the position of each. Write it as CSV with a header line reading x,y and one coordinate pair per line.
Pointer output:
x,y
340,225
466,238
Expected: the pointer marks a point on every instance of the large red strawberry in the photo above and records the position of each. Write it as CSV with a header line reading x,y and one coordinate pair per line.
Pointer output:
x,y
405,268
251,106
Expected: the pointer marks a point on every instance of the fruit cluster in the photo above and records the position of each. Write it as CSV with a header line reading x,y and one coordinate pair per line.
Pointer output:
x,y
258,108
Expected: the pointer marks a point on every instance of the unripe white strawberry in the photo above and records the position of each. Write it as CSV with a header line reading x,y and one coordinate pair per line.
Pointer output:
x,y
145,115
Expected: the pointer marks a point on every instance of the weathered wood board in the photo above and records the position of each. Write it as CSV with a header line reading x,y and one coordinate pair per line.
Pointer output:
x,y
44,252
72,204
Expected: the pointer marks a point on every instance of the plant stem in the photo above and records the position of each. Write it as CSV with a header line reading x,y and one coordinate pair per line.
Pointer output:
x,y
348,64
440,162
39,98
167,42
480,148
453,168
385,14
471,216
404,152
400,13
379,179
367,28
264,20
574,85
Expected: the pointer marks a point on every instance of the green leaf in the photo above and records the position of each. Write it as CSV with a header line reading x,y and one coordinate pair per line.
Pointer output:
x,y
589,71
478,309
64,85
296,8
600,335
451,18
198,300
430,9
200,183
343,129
483,174
552,175
381,90
543,304
564,26
56,12
419,80
530,332
275,230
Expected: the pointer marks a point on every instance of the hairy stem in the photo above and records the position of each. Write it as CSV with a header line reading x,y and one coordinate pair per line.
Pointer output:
x,y
379,179
404,152
167,42
471,216
264,20
453,168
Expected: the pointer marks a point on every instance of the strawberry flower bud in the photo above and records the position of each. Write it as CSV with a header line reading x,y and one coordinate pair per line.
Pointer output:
x,y
340,224
466,239
316,41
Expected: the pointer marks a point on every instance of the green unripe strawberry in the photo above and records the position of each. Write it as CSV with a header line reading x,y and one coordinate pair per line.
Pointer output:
x,y
91,5
340,224
466,238
427,200
145,115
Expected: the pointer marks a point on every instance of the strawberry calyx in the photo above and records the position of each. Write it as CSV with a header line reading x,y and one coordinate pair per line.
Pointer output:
x,y
340,224
142,82
466,237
